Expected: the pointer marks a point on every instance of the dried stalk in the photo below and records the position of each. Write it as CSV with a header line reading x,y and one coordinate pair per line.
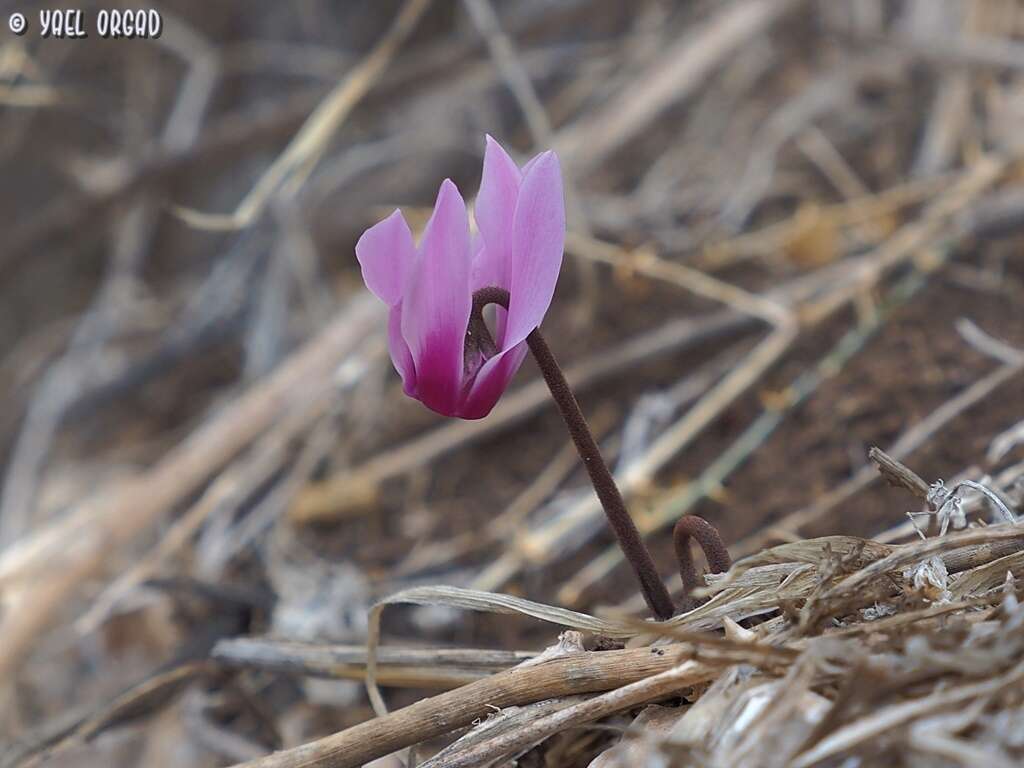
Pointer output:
x,y
560,676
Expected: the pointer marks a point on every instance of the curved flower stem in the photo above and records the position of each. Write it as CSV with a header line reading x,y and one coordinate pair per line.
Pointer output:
x,y
691,526
622,524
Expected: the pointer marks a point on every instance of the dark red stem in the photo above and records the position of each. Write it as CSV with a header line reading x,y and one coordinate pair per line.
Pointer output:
x,y
622,524
691,526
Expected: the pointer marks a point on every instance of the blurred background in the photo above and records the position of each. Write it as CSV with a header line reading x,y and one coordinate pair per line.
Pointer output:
x,y
795,233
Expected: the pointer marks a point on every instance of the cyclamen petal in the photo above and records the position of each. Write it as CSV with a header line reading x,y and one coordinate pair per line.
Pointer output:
x,y
492,381
386,253
437,303
538,238
521,219
495,207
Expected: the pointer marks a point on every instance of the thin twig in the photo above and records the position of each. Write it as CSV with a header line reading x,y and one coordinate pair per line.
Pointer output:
x,y
898,473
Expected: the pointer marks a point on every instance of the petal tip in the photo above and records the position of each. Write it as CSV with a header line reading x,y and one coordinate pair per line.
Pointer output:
x,y
448,193
549,156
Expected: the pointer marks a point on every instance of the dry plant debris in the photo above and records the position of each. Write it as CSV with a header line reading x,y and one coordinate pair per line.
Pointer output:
x,y
795,233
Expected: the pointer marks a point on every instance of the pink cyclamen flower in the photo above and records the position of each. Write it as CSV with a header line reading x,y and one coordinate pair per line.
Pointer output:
x,y
520,214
